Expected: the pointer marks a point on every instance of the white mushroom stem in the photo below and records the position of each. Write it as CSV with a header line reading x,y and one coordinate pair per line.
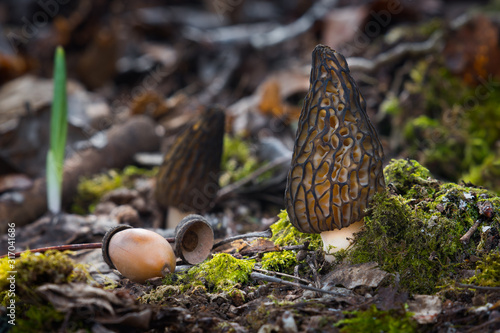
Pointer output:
x,y
335,240
175,216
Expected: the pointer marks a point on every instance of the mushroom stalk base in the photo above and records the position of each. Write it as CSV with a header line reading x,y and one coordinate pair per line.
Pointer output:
x,y
175,216
337,239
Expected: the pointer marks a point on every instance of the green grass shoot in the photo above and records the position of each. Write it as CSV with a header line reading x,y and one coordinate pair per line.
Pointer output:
x,y
58,132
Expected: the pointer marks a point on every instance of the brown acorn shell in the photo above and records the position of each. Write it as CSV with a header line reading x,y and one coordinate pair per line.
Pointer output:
x,y
194,239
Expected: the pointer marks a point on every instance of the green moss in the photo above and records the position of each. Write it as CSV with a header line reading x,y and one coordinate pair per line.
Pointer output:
x,y
279,261
391,105
91,189
223,272
159,294
34,270
487,173
39,319
487,272
417,236
285,234
405,174
374,320
238,161
454,129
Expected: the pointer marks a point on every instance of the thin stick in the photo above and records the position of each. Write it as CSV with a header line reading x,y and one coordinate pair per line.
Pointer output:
x,y
465,238
259,276
67,247
471,286
70,247
282,274
484,326
265,234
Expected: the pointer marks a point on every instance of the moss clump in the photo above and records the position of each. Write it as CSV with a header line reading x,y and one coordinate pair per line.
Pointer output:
x,y
283,261
91,189
404,174
36,269
374,320
33,270
285,234
238,161
487,272
223,272
418,236
159,294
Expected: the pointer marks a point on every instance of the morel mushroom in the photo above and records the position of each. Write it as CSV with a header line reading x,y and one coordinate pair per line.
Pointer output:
x,y
188,179
337,159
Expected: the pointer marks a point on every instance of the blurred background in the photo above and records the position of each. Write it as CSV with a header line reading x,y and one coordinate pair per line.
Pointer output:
x,y
428,69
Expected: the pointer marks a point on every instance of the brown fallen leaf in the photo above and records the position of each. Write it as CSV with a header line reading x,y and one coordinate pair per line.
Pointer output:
x,y
105,307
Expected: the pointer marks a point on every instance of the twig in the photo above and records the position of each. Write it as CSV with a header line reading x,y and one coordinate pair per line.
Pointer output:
x,y
294,29
471,286
265,234
465,238
68,247
393,55
311,261
282,274
259,276
229,189
483,326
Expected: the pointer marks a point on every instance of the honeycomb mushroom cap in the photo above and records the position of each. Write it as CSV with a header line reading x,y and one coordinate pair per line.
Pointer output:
x,y
188,179
337,158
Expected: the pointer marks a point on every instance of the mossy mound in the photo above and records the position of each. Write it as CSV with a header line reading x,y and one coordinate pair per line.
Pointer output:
x,y
374,320
31,270
222,272
414,229
285,234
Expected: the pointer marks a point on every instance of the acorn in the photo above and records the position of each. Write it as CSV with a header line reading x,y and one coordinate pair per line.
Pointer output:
x,y
138,254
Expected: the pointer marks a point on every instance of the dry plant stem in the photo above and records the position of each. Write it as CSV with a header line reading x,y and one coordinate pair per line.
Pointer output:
x,y
294,29
69,247
466,237
471,286
484,326
397,53
264,234
260,270
311,261
259,276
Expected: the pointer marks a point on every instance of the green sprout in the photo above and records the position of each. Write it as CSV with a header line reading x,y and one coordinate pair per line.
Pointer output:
x,y
58,132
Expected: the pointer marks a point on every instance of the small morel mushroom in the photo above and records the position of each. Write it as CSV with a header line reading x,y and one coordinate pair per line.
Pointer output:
x,y
337,159
188,179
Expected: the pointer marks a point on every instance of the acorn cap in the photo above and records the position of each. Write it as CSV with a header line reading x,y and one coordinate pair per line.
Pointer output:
x,y
337,158
188,179
194,239
107,238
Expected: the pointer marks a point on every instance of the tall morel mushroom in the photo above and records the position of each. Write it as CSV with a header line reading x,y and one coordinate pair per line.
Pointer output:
x,y
188,179
337,158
